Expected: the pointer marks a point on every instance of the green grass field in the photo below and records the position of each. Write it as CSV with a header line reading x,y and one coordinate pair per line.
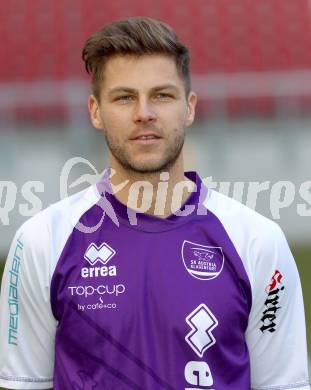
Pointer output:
x,y
303,259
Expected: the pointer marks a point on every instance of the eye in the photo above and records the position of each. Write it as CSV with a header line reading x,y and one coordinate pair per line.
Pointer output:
x,y
124,98
164,96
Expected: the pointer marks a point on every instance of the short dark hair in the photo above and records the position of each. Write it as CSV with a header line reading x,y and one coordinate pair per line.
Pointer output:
x,y
137,36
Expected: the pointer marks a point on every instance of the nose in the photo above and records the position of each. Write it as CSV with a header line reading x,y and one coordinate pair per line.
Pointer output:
x,y
143,112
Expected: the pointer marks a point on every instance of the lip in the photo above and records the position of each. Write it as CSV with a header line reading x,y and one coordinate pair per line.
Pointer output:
x,y
146,141
150,141
146,133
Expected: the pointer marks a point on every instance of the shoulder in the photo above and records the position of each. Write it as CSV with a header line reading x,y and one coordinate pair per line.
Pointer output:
x,y
257,239
241,221
44,235
59,216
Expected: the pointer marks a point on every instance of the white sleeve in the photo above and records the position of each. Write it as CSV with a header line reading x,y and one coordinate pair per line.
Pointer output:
x,y
27,325
276,334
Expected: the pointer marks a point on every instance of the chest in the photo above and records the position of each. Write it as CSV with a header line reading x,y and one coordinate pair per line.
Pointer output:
x,y
135,280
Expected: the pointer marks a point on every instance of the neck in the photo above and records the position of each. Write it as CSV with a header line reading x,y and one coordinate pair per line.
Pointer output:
x,y
157,193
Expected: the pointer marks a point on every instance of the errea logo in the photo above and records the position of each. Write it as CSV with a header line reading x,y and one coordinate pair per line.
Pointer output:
x,y
202,322
103,254
99,254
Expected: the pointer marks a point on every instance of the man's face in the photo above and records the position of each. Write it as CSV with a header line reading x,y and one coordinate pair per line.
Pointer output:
x,y
143,112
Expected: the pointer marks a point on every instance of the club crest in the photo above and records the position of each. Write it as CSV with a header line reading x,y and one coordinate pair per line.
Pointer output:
x,y
202,262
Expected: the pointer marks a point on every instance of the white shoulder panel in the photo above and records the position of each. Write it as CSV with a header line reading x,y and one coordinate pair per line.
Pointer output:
x,y
27,325
276,334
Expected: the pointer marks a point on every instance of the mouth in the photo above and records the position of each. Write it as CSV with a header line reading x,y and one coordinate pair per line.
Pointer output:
x,y
146,139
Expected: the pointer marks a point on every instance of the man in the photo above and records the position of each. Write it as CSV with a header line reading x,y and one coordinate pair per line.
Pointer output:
x,y
149,280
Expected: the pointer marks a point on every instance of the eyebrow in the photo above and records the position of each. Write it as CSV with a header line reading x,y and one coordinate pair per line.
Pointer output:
x,y
133,90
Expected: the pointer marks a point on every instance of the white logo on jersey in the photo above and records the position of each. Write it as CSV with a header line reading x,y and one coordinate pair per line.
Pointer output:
x,y
198,374
202,321
104,253
201,261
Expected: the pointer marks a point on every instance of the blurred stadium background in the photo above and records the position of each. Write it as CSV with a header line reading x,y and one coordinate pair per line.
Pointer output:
x,y
251,65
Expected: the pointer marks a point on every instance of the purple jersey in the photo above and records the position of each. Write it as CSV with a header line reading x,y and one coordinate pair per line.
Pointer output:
x,y
208,298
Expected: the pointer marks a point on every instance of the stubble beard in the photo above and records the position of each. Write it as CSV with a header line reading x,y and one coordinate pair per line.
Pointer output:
x,y
124,158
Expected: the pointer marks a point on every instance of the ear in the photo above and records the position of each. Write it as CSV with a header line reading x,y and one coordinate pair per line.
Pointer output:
x,y
93,107
191,104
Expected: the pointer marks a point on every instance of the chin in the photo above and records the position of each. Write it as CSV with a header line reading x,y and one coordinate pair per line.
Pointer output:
x,y
149,167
